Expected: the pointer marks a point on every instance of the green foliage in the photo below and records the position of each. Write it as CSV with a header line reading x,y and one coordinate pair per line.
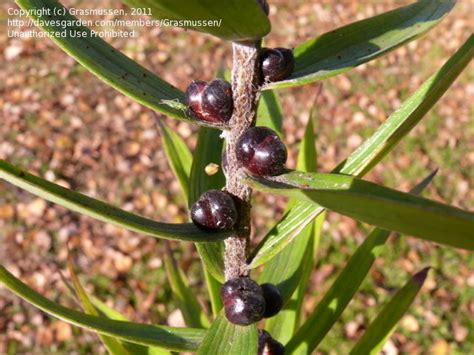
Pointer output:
x,y
345,48
383,326
337,298
179,156
377,205
269,112
113,345
237,19
226,338
363,159
208,150
402,121
193,314
178,339
107,63
100,210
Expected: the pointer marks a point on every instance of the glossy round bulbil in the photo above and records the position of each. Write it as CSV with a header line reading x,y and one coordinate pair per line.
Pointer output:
x,y
243,301
217,100
214,211
267,345
194,95
273,300
211,102
261,151
277,64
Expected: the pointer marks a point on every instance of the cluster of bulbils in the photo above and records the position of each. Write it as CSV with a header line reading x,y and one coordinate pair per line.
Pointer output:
x,y
260,152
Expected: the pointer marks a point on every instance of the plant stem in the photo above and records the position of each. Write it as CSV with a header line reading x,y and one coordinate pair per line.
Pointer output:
x,y
245,76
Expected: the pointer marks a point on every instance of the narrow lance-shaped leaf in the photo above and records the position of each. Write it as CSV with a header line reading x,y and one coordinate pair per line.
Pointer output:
x,y
398,125
192,312
383,326
269,112
408,115
179,157
290,270
96,307
213,287
284,231
181,161
208,150
104,61
284,324
308,156
231,19
377,205
226,338
135,349
286,268
336,299
347,47
113,345
102,211
107,312
177,339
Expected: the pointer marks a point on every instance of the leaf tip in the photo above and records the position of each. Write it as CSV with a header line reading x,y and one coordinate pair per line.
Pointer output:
x,y
420,277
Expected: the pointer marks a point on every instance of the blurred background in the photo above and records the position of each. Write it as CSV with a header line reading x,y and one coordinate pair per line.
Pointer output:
x,y
59,121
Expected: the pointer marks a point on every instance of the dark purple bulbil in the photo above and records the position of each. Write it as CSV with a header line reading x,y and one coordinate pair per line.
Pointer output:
x,y
267,345
273,300
215,210
261,151
210,102
277,64
217,100
243,301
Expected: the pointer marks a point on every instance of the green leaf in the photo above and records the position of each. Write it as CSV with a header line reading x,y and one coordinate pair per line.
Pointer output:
x,y
208,150
402,121
105,310
290,269
286,269
226,338
377,205
284,324
177,339
179,157
368,155
308,157
113,345
282,233
188,304
213,287
350,46
344,288
102,211
135,349
335,301
269,112
107,63
233,19
383,326
181,161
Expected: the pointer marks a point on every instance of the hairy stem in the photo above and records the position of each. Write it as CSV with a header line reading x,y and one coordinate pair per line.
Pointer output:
x,y
245,76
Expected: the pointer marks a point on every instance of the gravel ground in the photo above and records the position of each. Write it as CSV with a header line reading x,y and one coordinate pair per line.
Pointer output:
x,y
59,121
